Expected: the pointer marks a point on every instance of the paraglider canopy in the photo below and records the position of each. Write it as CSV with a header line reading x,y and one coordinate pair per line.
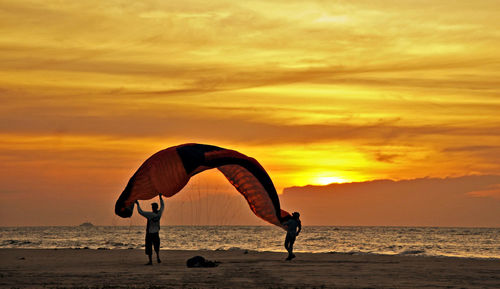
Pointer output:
x,y
169,170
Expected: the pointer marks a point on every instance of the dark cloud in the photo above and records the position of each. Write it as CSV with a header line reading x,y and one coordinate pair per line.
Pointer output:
x,y
488,155
126,116
387,158
417,202
165,122
475,148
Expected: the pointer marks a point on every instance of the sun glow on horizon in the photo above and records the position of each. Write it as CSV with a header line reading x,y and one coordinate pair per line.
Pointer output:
x,y
326,180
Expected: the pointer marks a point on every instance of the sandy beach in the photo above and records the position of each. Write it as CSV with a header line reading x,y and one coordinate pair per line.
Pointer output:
x,y
69,268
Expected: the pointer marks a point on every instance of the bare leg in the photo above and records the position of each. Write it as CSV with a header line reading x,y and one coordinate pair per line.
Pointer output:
x,y
149,249
157,249
289,247
291,255
158,256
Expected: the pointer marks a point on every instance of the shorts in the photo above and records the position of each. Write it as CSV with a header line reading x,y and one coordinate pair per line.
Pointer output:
x,y
152,239
290,237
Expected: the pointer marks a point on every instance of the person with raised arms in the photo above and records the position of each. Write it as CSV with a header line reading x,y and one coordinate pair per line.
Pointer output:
x,y
152,229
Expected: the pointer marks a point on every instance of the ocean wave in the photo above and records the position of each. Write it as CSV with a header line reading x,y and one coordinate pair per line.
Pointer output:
x,y
15,242
313,239
393,247
342,240
233,249
116,244
411,252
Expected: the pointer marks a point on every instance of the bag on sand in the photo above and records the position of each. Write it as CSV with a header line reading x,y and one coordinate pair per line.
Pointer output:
x,y
199,261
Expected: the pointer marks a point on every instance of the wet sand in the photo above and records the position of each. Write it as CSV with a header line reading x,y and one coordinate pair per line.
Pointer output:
x,y
69,268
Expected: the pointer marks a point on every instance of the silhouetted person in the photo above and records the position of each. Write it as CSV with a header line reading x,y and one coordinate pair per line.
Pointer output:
x,y
293,229
152,229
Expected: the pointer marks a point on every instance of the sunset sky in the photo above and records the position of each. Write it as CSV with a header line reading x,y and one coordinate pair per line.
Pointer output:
x,y
317,91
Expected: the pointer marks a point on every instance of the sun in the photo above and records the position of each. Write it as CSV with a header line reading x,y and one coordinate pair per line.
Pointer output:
x,y
329,180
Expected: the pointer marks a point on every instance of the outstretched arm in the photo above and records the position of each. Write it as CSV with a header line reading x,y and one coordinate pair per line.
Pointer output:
x,y
162,205
139,209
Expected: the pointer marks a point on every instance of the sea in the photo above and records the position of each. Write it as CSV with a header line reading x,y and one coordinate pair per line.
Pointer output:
x,y
409,241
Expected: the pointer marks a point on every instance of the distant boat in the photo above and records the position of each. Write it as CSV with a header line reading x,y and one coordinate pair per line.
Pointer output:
x,y
86,224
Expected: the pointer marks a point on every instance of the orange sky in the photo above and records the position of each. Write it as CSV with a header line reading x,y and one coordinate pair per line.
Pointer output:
x,y
318,92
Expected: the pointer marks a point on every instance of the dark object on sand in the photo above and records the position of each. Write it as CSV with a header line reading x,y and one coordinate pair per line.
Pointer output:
x,y
199,261
86,224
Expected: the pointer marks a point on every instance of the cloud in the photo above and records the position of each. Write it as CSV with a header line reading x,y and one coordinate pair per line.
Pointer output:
x,y
476,148
372,90
459,201
193,120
